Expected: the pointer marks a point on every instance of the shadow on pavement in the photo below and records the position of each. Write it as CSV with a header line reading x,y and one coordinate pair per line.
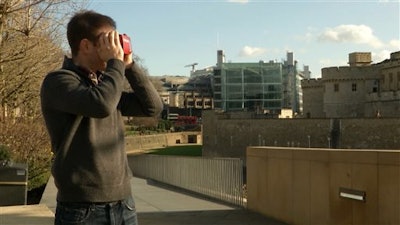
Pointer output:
x,y
186,192
214,217
225,215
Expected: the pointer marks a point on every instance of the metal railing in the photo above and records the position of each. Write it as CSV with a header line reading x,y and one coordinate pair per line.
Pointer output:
x,y
219,178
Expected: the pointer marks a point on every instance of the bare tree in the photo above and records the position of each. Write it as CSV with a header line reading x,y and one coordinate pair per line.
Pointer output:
x,y
31,45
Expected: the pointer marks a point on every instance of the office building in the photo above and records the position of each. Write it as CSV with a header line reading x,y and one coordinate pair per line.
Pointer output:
x,y
261,87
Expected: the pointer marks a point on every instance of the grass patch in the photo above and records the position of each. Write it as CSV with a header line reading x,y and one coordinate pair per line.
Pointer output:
x,y
182,150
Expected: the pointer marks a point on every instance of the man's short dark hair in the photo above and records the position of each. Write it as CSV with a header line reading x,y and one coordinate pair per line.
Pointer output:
x,y
85,24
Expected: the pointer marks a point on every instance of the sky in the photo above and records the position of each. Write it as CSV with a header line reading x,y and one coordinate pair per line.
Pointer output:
x,y
168,35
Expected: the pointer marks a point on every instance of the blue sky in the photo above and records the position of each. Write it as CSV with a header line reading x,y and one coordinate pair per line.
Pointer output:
x,y
170,34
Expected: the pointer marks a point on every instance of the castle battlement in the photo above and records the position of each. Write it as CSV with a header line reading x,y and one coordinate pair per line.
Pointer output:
x,y
350,72
390,63
344,69
311,83
395,55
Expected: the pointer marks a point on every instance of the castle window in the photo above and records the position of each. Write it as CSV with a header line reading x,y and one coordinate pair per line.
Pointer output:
x,y
391,82
354,87
375,87
336,87
398,76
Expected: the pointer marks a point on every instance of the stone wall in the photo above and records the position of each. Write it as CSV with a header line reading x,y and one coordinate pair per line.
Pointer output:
x,y
370,133
228,136
140,142
313,92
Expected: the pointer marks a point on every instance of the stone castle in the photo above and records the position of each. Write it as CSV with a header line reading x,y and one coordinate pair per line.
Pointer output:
x,y
361,89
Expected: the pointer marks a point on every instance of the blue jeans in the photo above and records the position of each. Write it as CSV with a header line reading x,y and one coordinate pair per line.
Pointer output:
x,y
115,213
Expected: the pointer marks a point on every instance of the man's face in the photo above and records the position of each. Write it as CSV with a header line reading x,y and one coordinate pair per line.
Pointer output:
x,y
96,62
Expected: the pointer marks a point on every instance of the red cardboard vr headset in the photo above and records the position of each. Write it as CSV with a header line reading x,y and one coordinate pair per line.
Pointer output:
x,y
126,43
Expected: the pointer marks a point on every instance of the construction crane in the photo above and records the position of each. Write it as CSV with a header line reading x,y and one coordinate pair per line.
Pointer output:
x,y
192,65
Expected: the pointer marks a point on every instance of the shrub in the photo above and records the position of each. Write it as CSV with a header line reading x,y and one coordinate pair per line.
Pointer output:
x,y
4,153
27,142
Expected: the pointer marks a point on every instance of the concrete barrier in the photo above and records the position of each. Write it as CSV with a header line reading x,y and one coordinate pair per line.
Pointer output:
x,y
324,186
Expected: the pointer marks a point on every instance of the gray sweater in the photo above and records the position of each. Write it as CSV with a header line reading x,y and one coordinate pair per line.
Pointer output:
x,y
90,162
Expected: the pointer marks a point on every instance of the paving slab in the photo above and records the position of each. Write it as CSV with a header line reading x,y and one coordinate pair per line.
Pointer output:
x,y
160,204
151,196
213,217
26,215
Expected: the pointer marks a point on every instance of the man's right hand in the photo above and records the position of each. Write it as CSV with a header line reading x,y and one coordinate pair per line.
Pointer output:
x,y
110,46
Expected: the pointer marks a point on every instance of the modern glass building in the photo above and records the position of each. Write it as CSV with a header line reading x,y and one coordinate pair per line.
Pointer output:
x,y
248,87
261,87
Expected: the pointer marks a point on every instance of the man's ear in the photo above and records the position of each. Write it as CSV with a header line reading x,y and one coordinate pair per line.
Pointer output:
x,y
85,45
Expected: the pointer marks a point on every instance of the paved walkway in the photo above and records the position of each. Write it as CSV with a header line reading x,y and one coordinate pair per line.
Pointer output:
x,y
26,215
156,204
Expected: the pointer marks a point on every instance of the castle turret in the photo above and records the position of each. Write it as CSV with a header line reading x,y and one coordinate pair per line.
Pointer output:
x,y
360,59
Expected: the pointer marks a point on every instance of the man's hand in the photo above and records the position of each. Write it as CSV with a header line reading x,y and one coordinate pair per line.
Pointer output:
x,y
128,60
110,46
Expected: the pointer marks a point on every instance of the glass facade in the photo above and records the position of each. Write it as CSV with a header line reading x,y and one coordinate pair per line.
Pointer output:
x,y
248,86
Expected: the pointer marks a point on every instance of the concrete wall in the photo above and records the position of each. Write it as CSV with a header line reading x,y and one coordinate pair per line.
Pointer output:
x,y
227,135
301,186
140,142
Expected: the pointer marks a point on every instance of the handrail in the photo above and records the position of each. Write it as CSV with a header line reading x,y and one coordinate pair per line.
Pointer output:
x,y
219,178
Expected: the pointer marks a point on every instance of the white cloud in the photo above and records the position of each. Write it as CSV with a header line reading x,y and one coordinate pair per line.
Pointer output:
x,y
359,34
384,53
239,1
248,51
395,43
380,56
308,37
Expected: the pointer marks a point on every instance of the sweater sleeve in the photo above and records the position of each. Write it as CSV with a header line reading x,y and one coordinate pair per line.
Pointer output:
x,y
144,100
66,91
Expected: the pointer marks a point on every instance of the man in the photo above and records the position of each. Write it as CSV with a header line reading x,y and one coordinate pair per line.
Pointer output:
x,y
83,104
